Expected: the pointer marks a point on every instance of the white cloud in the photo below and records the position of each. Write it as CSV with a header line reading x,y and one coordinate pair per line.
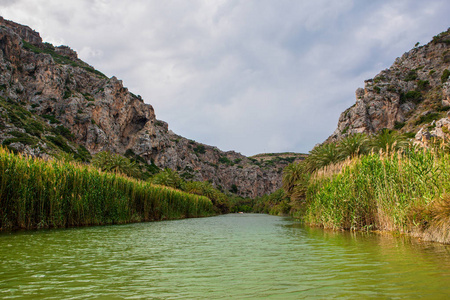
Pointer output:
x,y
252,76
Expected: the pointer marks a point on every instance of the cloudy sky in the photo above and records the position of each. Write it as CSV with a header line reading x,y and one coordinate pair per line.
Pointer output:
x,y
247,75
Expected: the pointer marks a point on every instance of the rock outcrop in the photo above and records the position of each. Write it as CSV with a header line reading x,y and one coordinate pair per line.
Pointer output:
x,y
50,101
408,96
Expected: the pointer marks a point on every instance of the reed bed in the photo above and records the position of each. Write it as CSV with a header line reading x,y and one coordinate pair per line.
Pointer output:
x,y
44,194
402,192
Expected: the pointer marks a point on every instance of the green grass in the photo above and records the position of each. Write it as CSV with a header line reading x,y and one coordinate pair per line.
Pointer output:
x,y
47,194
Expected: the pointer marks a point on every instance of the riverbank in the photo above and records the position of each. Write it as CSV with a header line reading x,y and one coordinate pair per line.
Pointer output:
x,y
36,194
400,192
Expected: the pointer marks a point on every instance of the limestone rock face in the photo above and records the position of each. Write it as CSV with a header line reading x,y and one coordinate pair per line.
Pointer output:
x,y
51,82
396,97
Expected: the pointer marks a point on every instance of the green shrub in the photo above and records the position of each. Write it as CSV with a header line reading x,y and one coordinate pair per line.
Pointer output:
x,y
398,125
377,89
412,75
52,119
427,118
413,96
423,85
445,75
225,160
200,149
60,143
61,130
20,137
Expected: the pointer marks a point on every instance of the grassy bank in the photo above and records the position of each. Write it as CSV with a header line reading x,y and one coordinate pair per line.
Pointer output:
x,y
406,192
379,182
44,194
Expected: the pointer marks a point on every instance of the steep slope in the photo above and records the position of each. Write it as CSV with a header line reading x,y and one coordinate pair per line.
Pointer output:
x,y
51,101
412,95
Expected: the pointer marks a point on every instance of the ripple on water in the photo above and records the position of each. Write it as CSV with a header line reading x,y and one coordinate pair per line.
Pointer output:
x,y
231,256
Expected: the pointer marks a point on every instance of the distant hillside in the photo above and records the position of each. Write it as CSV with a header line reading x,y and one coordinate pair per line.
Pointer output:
x,y
54,104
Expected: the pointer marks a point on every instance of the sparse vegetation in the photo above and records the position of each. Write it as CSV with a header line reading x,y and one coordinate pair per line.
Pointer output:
x,y
412,75
445,75
413,96
427,118
60,59
200,149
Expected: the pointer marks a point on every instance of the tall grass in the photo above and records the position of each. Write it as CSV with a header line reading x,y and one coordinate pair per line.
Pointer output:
x,y
43,194
405,192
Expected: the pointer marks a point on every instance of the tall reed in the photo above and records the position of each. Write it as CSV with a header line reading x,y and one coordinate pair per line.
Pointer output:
x,y
382,191
42,194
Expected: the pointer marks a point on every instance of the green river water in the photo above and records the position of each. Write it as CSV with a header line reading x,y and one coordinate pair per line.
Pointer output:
x,y
236,256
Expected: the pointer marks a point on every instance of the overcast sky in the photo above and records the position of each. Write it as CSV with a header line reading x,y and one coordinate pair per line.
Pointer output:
x,y
246,75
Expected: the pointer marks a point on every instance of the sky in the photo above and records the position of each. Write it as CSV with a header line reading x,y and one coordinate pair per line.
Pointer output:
x,y
254,76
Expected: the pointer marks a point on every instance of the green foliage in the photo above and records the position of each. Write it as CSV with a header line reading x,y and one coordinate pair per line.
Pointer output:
x,y
61,130
82,154
379,191
412,75
116,163
46,194
379,79
377,89
147,169
321,156
200,149
445,75
398,125
20,137
225,160
234,189
442,37
33,127
427,118
52,119
353,145
389,141
276,203
220,201
423,85
60,143
169,178
67,94
413,96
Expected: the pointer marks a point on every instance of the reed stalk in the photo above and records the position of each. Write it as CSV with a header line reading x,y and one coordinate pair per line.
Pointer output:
x,y
35,193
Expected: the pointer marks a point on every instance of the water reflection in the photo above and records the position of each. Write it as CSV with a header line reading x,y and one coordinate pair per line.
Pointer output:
x,y
231,256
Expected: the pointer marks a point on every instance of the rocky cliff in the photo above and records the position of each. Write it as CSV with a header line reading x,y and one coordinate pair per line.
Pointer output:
x,y
51,101
412,96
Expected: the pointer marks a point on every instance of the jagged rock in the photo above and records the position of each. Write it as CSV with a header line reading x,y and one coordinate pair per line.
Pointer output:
x,y
397,96
103,115
446,94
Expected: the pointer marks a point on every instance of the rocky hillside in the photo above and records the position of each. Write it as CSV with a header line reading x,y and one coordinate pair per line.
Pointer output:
x,y
51,102
412,96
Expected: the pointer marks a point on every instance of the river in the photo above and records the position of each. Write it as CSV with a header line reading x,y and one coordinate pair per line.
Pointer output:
x,y
238,256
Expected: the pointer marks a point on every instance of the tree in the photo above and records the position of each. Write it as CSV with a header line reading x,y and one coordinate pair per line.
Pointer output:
x,y
111,162
388,141
353,145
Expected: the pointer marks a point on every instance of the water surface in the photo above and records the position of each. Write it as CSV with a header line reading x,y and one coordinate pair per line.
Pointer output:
x,y
231,256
